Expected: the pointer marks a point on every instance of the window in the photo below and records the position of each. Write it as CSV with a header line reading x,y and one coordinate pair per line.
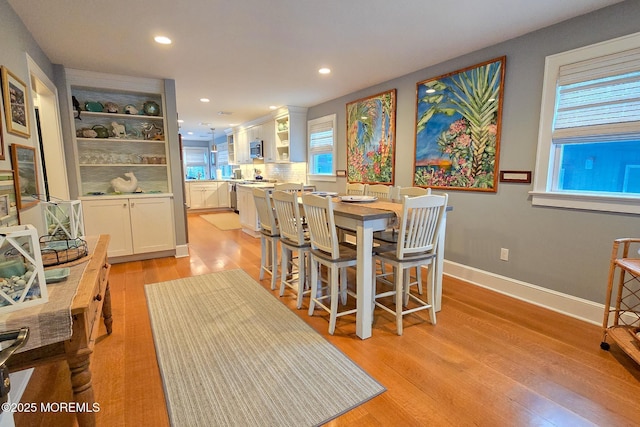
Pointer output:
x,y
196,162
589,139
322,150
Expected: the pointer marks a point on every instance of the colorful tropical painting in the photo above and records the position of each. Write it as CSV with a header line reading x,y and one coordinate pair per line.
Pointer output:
x,y
371,139
458,119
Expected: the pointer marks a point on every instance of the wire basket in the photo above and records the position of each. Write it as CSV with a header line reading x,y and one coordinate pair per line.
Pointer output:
x,y
57,251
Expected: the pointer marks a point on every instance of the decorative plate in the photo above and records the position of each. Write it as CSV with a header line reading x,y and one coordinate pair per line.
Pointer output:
x,y
354,199
56,275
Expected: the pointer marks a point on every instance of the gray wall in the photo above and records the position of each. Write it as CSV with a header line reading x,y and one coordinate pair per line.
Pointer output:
x,y
15,41
564,250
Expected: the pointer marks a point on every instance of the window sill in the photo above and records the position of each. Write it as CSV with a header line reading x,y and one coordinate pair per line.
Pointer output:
x,y
587,201
326,178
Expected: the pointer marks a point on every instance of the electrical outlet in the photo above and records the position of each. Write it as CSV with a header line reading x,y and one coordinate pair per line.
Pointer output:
x,y
504,254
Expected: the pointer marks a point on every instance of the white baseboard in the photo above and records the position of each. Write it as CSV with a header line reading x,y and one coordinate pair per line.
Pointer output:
x,y
569,305
182,251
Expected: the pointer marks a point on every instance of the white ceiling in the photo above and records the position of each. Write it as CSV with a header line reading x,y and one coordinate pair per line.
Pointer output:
x,y
246,55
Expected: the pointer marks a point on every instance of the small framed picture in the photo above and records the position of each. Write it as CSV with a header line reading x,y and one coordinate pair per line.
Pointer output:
x,y
4,205
24,163
16,103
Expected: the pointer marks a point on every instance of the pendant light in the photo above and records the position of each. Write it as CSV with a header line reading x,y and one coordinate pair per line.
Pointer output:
x,y
214,148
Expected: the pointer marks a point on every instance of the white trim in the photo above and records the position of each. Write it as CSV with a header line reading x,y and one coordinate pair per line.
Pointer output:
x,y
182,251
569,305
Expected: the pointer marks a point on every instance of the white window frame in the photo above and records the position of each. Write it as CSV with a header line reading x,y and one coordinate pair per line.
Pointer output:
x,y
201,151
542,193
329,120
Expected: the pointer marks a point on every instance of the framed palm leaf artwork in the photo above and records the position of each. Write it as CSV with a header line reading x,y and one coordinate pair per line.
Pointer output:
x,y
371,139
458,120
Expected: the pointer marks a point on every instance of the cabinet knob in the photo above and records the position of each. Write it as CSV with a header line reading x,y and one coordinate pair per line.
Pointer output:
x,y
97,298
124,205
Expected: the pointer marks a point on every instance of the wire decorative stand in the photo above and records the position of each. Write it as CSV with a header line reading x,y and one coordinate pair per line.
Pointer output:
x,y
56,251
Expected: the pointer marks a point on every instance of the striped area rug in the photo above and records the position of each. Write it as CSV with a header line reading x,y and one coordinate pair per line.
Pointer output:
x,y
231,354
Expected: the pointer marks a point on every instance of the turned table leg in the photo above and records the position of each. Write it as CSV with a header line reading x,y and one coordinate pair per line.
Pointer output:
x,y
82,389
106,310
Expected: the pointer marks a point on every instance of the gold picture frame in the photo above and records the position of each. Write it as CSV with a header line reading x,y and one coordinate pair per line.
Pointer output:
x,y
24,163
16,104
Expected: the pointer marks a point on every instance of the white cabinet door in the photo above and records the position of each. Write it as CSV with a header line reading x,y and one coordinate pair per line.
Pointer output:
x,y
247,211
152,224
223,195
110,217
210,195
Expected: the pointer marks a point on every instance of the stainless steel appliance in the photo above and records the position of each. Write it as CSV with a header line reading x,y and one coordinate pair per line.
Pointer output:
x,y
255,149
233,196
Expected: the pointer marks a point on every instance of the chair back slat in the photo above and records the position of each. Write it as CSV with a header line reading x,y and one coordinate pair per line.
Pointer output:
x,y
420,224
380,191
264,206
322,228
288,215
412,191
356,189
290,187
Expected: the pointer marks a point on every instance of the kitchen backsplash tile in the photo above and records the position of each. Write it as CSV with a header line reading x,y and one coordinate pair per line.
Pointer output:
x,y
283,172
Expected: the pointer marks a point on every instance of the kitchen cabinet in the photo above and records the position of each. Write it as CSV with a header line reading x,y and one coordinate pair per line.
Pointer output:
x,y
241,147
137,225
208,194
290,135
247,211
119,133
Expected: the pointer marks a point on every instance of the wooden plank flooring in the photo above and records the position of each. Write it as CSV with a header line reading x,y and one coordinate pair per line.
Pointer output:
x,y
490,361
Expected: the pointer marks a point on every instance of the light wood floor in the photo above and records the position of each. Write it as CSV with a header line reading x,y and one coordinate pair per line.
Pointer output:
x,y
490,360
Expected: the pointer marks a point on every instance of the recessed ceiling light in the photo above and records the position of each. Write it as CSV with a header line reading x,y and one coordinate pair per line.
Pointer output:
x,y
272,107
224,113
162,39
205,124
324,70
204,99
180,121
233,124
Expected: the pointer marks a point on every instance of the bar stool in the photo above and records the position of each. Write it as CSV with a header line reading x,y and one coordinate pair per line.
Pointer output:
x,y
269,235
293,239
417,243
327,251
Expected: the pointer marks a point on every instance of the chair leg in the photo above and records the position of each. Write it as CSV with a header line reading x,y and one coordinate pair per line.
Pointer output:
x,y
284,268
274,263
334,299
431,294
343,285
399,273
314,285
302,275
263,256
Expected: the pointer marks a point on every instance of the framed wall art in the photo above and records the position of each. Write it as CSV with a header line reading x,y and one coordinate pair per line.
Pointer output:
x,y
16,104
371,139
8,204
458,120
23,159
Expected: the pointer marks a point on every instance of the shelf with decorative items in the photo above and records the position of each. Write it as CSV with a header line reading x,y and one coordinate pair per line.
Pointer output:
x,y
290,134
120,141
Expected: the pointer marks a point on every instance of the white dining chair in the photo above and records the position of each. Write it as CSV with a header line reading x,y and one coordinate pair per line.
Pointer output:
x,y
294,271
327,251
269,235
416,246
412,191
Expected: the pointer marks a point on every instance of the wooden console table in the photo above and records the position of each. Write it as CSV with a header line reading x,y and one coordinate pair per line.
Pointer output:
x,y
92,300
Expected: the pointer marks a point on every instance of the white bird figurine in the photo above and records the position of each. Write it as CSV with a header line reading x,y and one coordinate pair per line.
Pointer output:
x,y
121,185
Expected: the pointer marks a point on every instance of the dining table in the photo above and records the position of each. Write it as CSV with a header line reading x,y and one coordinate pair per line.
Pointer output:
x,y
365,218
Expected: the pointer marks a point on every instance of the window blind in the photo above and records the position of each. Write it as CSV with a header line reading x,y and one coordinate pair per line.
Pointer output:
x,y
598,98
321,136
